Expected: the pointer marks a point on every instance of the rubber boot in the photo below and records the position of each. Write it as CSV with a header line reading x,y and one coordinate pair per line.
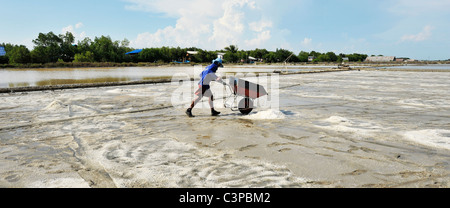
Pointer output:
x,y
189,113
214,112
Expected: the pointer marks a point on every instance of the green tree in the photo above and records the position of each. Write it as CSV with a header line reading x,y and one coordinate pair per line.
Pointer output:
x,y
232,49
206,56
47,40
332,56
4,59
51,47
242,56
68,50
39,55
270,57
104,49
356,57
315,54
165,54
324,58
202,56
303,56
84,57
84,45
258,53
19,55
283,54
149,55
231,54
48,45
231,57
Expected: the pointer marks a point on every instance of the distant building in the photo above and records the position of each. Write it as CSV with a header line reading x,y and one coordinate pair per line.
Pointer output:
x,y
345,59
252,59
311,58
381,59
220,55
192,52
189,54
2,51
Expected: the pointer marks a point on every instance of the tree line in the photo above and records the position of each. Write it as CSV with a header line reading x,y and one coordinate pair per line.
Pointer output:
x,y
52,48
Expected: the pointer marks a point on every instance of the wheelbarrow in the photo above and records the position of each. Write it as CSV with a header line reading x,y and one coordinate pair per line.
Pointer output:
x,y
244,91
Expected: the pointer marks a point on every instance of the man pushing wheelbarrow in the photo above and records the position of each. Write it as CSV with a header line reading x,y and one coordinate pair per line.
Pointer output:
x,y
239,88
207,76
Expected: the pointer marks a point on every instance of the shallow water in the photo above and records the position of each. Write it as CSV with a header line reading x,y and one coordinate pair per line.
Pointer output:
x,y
342,129
10,78
42,77
423,67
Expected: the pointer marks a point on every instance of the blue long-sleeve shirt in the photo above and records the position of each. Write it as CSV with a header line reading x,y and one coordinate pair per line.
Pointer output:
x,y
208,75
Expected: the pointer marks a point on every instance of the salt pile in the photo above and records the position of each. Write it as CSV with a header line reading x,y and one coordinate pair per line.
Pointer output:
x,y
115,91
358,128
437,138
338,119
267,115
55,105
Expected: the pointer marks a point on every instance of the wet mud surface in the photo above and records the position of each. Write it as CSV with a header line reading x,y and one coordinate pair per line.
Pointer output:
x,y
342,129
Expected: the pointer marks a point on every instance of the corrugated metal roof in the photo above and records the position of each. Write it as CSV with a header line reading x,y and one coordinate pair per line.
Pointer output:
x,y
2,51
134,52
380,58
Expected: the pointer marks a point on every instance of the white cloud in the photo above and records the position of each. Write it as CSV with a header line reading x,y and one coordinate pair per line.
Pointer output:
x,y
82,35
307,44
72,29
79,25
307,41
229,29
421,36
67,29
259,40
260,26
206,24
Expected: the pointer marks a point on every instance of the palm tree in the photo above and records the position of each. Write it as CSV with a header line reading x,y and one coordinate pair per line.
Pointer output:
x,y
232,49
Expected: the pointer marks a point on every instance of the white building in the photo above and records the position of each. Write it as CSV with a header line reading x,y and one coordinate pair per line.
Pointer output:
x,y
220,55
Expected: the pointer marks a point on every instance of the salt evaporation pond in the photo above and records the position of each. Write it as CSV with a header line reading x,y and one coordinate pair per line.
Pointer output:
x,y
422,67
340,129
10,78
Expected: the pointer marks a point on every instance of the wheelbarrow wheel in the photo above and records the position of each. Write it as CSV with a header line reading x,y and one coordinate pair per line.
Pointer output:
x,y
246,106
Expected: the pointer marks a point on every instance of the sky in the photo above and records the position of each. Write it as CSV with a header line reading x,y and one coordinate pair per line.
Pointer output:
x,y
418,29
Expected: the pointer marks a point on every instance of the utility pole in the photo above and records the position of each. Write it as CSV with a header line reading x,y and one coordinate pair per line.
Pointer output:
x,y
285,62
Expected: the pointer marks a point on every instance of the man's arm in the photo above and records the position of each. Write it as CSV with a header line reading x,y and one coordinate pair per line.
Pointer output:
x,y
220,80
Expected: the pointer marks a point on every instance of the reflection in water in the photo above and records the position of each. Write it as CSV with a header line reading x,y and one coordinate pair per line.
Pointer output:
x,y
52,82
156,78
19,84
62,76
43,77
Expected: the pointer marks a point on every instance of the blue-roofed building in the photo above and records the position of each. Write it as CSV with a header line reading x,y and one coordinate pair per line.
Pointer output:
x,y
134,52
2,51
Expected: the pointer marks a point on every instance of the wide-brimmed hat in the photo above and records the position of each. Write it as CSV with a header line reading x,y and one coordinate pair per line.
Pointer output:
x,y
218,61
